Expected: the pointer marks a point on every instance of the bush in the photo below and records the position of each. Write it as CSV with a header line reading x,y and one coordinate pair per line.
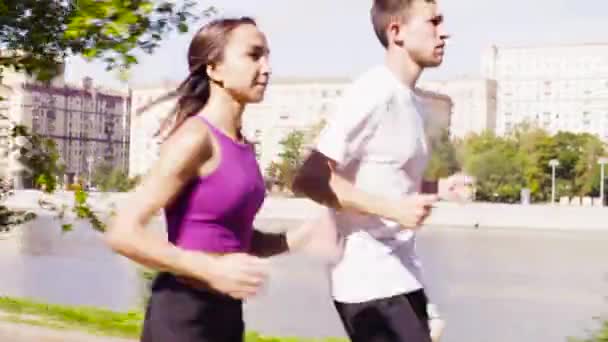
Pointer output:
x,y
75,187
599,336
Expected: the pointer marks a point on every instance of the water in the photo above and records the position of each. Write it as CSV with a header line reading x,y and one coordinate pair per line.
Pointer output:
x,y
75,268
491,285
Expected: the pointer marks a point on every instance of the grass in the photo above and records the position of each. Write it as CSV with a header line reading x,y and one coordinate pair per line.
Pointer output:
x,y
89,319
99,321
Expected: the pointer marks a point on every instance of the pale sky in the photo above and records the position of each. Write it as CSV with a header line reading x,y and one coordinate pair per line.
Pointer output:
x,y
334,38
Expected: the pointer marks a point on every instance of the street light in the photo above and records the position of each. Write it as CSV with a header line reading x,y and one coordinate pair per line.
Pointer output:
x,y
553,163
602,161
90,160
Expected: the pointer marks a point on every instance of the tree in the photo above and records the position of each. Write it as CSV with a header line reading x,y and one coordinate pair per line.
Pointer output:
x,y
36,36
586,170
291,158
39,34
496,167
315,130
40,158
600,335
106,177
281,173
504,165
536,149
443,161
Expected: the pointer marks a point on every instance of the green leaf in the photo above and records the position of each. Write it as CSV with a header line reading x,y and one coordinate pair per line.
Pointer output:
x,y
66,228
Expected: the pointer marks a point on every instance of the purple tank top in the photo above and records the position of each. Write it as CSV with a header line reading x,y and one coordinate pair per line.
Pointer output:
x,y
215,213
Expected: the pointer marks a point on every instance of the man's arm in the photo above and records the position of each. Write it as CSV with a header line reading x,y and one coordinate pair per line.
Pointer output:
x,y
317,179
265,244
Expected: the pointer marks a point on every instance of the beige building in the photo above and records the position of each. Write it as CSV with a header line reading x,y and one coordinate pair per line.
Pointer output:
x,y
474,104
143,149
88,124
439,108
558,88
290,104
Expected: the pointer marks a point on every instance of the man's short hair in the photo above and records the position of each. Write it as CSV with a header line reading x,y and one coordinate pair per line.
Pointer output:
x,y
383,11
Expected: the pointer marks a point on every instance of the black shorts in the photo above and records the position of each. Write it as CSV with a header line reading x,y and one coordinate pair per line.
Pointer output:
x,y
179,313
402,318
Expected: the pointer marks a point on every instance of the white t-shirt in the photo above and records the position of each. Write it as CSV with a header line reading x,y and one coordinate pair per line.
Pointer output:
x,y
377,138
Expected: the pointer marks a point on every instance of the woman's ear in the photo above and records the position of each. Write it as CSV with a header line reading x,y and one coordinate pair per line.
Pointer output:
x,y
213,73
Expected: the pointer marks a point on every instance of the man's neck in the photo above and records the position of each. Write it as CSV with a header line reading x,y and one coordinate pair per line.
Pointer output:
x,y
404,68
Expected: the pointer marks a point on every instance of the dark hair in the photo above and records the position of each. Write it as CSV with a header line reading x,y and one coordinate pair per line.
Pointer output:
x,y
383,11
206,47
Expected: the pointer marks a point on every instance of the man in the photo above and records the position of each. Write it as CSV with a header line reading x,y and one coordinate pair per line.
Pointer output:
x,y
368,166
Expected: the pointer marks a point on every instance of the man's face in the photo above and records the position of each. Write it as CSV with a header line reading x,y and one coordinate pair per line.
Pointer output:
x,y
422,33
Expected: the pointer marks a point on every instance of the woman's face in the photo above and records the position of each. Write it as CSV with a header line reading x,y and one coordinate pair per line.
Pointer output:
x,y
244,69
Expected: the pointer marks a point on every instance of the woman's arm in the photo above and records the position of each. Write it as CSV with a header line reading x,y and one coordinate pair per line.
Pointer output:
x,y
237,274
317,237
180,158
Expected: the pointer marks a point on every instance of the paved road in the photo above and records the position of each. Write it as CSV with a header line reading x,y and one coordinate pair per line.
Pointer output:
x,y
496,285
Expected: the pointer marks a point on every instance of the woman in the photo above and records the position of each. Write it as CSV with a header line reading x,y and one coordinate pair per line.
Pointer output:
x,y
208,182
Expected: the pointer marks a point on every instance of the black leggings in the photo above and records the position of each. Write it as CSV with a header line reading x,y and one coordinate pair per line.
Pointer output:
x,y
179,313
402,318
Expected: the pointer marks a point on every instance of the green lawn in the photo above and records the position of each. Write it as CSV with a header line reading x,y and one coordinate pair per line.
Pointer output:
x,y
98,321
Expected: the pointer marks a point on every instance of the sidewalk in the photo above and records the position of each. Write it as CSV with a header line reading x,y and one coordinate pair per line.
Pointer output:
x,y
16,332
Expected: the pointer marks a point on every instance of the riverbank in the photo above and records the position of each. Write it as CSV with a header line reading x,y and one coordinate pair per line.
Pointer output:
x,y
469,215
21,332
23,320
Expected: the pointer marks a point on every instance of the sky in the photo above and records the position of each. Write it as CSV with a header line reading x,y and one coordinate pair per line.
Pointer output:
x,y
334,38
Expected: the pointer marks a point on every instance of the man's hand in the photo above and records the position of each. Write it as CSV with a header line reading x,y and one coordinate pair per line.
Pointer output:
x,y
456,188
411,211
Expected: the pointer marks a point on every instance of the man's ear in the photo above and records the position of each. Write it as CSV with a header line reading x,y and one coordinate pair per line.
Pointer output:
x,y
394,32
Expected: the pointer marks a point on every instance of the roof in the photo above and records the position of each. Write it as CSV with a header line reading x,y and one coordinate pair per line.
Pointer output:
x,y
551,45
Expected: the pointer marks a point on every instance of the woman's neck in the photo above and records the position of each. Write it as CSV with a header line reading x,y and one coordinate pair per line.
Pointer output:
x,y
226,113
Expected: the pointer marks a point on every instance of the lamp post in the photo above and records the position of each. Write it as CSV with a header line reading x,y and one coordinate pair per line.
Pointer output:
x,y
90,160
553,163
602,161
